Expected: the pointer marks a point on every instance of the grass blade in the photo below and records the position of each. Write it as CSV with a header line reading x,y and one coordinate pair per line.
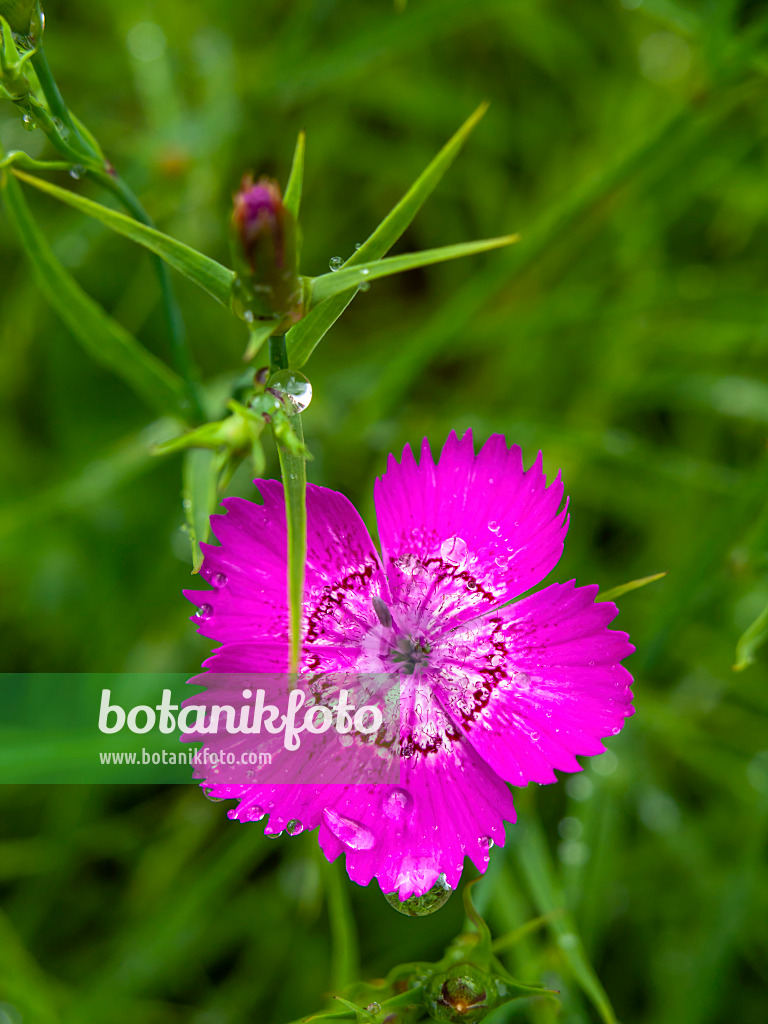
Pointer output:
x,y
535,862
105,340
625,588
752,638
304,336
211,276
329,285
200,495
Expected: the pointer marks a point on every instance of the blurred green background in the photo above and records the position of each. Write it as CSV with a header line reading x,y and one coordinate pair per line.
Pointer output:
x,y
626,336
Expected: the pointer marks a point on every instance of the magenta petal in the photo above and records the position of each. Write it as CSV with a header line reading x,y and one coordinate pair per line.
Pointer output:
x,y
450,805
480,524
547,680
248,570
487,694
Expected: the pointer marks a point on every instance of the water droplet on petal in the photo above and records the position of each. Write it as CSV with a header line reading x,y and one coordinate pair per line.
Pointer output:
x,y
420,906
453,550
208,794
292,389
29,123
493,526
255,813
351,833
273,835
396,804
335,263
487,842
294,827
204,612
219,580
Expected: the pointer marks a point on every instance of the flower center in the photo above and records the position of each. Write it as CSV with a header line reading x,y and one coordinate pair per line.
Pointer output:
x,y
409,655
404,652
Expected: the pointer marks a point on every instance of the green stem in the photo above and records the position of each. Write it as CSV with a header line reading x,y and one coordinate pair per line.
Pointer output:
x,y
278,355
115,184
55,100
344,955
293,469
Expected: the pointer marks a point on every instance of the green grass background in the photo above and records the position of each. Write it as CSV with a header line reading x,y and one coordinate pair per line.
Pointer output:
x,y
626,337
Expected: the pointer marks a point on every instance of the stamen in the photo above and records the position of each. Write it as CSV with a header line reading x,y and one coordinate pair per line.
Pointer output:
x,y
383,614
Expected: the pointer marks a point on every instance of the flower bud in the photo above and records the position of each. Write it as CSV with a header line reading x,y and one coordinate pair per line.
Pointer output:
x,y
18,14
13,82
463,993
268,286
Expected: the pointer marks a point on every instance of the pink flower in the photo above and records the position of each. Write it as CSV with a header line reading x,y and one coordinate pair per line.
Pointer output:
x,y
491,692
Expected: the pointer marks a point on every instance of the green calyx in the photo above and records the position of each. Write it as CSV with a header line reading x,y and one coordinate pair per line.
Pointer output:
x,y
13,81
464,986
463,993
21,15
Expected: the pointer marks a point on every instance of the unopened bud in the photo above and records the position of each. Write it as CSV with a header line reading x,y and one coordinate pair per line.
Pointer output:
x,y
463,993
18,14
268,285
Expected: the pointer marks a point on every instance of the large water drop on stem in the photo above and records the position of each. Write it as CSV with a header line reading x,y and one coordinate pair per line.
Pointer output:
x,y
292,389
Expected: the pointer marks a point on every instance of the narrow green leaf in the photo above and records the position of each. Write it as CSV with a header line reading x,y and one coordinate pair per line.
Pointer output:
x,y
292,197
305,335
213,277
18,158
752,638
293,469
106,341
624,588
257,335
200,496
328,285
530,848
